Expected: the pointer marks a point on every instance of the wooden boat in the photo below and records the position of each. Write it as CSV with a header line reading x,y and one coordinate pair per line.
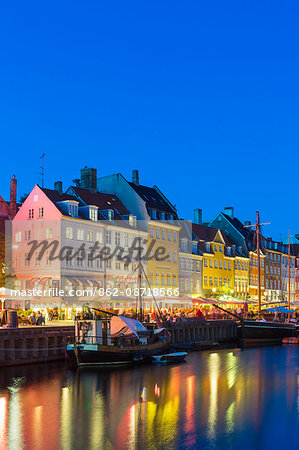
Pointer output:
x,y
253,332
170,357
115,340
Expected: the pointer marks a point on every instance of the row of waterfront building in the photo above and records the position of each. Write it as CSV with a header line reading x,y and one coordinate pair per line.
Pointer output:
x,y
182,260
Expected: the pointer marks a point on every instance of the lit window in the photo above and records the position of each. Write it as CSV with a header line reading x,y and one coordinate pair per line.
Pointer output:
x,y
99,237
110,215
80,234
18,236
49,233
93,214
89,236
69,233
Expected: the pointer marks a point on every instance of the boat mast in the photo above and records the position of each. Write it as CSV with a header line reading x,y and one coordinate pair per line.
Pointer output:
x,y
140,283
289,272
257,228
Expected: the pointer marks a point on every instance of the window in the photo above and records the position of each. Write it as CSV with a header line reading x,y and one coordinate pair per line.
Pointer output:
x,y
73,210
274,257
157,233
151,232
99,237
26,260
110,215
229,266
162,279
220,264
220,248
117,238
215,281
220,281
206,262
169,235
18,236
89,236
154,214
211,263
108,237
80,234
132,221
174,257
174,236
205,280
168,279
163,234
31,213
215,247
184,245
89,260
40,212
126,240
108,263
228,282
216,264
157,279
117,265
93,214
49,233
211,281
174,280
224,265
69,233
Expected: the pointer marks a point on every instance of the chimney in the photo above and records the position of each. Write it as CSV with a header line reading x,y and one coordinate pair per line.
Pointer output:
x,y
247,222
13,197
89,179
135,177
229,211
77,182
197,216
58,186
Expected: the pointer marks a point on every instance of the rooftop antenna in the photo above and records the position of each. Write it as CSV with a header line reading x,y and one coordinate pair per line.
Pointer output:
x,y
43,168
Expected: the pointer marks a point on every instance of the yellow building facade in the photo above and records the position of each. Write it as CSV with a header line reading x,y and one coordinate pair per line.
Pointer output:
x,y
163,263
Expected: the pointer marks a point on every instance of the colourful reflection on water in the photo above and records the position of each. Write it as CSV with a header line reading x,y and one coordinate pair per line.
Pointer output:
x,y
225,399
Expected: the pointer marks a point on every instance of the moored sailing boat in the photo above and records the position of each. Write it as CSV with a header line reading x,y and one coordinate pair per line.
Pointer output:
x,y
115,340
251,332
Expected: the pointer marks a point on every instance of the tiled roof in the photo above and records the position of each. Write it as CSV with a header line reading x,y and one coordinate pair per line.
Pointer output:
x,y
204,233
246,232
153,199
101,200
55,196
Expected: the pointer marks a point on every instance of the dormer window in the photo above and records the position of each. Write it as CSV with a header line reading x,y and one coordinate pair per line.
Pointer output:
x,y
162,216
110,215
73,209
207,246
154,214
132,220
93,214
228,251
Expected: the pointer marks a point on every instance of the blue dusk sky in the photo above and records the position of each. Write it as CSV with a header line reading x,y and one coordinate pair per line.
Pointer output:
x,y
200,96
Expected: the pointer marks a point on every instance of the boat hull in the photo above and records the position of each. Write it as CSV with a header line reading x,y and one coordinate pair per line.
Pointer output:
x,y
89,355
257,332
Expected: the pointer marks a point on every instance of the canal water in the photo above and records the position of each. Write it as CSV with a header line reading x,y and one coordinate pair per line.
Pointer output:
x,y
228,399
